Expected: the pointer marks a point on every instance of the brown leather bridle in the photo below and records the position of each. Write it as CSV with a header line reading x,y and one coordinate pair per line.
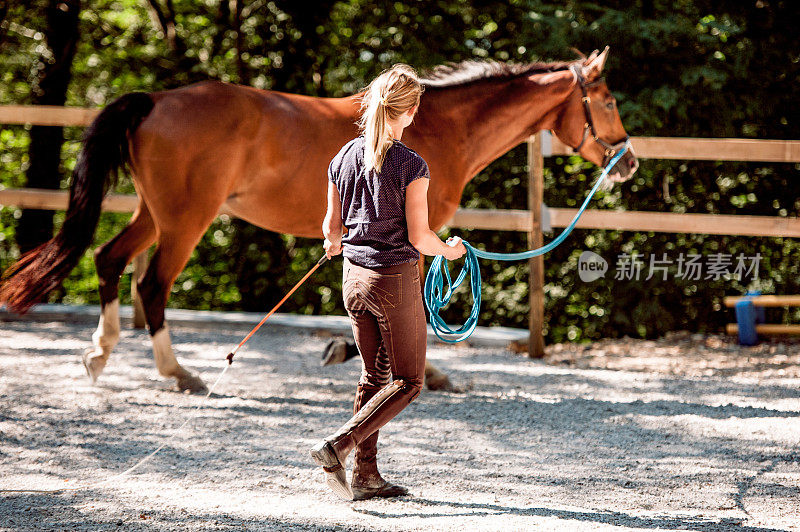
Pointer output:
x,y
588,126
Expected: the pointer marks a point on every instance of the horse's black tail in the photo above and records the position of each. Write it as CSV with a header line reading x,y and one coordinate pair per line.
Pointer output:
x,y
105,153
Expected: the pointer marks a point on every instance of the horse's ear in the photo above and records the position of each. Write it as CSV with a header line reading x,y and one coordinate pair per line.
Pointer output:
x,y
578,53
594,65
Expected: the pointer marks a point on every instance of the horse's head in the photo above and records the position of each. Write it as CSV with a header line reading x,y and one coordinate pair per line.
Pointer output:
x,y
590,123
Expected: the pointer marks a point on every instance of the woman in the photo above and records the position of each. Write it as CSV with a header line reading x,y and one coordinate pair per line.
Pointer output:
x,y
378,190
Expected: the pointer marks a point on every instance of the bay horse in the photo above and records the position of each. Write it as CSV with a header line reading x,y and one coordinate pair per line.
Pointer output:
x,y
264,155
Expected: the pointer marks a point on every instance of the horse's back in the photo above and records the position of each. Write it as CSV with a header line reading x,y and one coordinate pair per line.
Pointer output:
x,y
204,110
209,111
264,152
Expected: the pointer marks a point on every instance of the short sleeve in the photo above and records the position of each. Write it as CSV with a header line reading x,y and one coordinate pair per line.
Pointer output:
x,y
420,172
333,169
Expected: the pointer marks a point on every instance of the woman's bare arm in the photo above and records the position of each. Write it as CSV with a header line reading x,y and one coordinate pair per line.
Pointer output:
x,y
419,232
332,226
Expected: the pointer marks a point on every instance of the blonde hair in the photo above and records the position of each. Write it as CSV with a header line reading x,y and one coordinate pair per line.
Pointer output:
x,y
394,92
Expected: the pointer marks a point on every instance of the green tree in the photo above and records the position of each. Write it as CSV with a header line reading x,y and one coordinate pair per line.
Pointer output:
x,y
61,36
706,69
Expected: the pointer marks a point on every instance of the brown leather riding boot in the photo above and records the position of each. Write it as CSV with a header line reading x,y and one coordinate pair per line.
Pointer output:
x,y
379,410
365,460
367,482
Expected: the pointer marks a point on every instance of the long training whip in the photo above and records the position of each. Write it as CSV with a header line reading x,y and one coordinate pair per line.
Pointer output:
x,y
437,297
319,263
196,409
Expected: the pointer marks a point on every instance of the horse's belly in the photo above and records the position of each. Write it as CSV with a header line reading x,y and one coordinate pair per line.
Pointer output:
x,y
287,216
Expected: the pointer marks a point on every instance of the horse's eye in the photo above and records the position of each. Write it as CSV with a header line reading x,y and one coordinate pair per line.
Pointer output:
x,y
610,106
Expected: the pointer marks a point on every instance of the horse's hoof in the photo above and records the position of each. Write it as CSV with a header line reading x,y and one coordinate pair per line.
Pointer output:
x,y
441,383
94,364
335,352
191,383
338,351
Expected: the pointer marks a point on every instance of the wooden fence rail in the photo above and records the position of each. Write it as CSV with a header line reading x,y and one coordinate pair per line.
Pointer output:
x,y
500,220
659,222
530,221
47,115
699,149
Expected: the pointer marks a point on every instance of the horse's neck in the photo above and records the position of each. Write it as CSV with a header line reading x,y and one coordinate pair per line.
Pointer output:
x,y
488,118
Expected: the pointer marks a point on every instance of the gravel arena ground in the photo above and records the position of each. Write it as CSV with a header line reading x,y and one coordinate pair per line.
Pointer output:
x,y
688,432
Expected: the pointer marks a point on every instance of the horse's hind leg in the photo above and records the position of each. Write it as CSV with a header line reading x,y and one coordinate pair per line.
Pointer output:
x,y
110,261
171,255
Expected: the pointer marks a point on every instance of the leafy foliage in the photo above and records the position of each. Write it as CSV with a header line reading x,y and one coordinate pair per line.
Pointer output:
x,y
705,69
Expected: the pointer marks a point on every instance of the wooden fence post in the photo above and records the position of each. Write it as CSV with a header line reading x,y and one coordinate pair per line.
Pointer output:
x,y
139,266
535,240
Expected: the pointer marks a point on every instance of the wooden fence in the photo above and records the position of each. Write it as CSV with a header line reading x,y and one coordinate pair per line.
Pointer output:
x,y
540,146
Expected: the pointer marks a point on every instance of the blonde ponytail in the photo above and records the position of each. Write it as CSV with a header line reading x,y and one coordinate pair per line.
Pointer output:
x,y
394,92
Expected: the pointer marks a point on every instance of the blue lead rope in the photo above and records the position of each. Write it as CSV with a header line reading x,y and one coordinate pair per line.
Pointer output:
x,y
436,297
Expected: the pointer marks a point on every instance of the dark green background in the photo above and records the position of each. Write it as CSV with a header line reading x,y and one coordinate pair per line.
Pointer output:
x,y
679,68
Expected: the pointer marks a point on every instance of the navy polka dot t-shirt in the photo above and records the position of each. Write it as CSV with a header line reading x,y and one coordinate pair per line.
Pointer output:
x,y
374,204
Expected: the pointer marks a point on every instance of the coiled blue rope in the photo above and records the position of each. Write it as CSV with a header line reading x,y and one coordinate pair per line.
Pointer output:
x,y
436,297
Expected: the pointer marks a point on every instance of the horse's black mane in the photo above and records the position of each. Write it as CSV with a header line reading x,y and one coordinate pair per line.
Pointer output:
x,y
465,72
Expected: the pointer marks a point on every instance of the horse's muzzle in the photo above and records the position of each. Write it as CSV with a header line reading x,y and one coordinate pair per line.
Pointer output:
x,y
625,167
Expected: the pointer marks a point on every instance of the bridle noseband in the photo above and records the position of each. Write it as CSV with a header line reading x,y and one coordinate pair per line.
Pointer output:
x,y
588,126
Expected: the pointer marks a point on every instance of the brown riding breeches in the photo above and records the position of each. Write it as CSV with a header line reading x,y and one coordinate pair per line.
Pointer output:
x,y
385,308
388,318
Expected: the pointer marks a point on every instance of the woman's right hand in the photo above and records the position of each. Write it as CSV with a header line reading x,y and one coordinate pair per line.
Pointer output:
x,y
456,248
332,248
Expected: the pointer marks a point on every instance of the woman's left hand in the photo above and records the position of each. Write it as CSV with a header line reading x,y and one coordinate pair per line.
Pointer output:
x,y
331,248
